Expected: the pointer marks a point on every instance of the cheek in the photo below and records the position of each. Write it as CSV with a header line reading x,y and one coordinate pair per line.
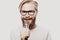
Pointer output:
x,y
22,16
33,16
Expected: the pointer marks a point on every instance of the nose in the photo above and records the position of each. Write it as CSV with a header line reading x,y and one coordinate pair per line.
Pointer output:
x,y
27,15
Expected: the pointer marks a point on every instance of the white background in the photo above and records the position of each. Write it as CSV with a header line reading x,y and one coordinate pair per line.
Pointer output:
x,y
48,17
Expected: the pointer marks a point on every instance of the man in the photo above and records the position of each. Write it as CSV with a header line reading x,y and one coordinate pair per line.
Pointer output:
x,y
29,29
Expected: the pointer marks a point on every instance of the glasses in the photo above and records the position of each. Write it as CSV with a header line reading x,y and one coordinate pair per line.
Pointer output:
x,y
31,12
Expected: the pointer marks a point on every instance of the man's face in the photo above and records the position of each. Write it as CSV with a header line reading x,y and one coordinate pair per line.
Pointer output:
x,y
28,12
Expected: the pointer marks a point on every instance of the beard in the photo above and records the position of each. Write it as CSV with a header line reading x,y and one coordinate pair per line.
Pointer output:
x,y
32,24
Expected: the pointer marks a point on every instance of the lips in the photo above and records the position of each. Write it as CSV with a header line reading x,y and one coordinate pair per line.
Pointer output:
x,y
27,18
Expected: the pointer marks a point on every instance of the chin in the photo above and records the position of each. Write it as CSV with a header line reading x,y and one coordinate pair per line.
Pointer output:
x,y
30,21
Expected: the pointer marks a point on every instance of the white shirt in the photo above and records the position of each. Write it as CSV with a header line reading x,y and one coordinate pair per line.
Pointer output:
x,y
36,34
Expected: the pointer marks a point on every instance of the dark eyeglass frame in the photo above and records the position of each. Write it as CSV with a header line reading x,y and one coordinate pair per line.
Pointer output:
x,y
29,12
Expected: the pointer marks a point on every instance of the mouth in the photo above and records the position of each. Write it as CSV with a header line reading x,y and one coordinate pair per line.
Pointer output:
x,y
27,18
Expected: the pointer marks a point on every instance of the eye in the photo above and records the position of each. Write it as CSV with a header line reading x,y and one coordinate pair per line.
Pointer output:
x,y
31,13
23,13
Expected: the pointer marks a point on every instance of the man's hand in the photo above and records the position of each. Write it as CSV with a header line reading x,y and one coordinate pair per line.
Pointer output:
x,y
25,33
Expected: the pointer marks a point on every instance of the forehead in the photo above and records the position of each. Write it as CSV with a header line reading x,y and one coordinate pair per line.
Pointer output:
x,y
28,6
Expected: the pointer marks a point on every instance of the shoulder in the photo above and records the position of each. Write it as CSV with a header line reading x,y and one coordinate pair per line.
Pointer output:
x,y
42,31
